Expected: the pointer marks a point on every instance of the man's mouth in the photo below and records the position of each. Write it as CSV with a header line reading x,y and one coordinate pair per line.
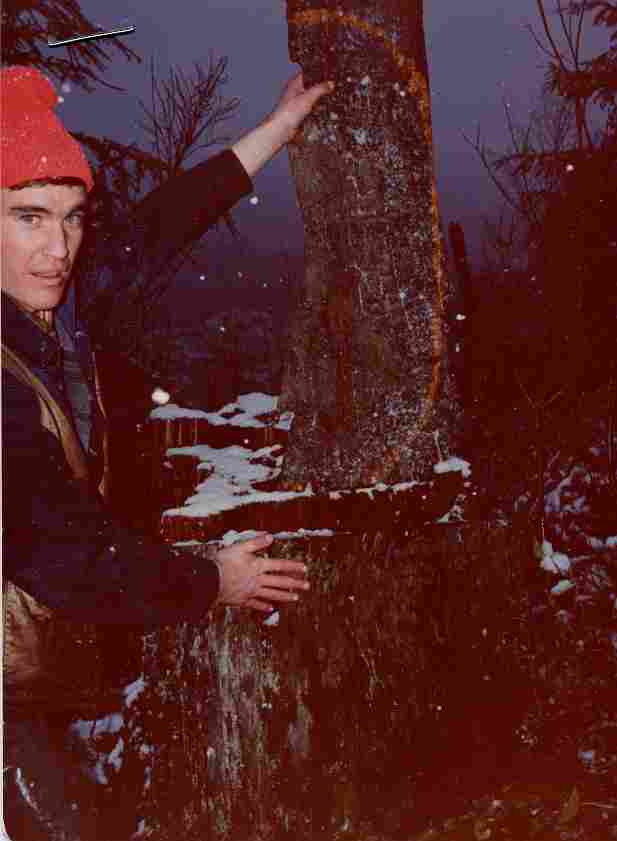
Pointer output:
x,y
57,276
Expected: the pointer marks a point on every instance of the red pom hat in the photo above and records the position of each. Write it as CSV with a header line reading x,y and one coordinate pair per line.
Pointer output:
x,y
33,142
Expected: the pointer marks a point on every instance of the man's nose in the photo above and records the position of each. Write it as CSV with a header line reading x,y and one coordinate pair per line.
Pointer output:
x,y
57,243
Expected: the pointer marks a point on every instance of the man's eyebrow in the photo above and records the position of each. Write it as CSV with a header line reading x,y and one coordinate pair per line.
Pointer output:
x,y
29,208
82,207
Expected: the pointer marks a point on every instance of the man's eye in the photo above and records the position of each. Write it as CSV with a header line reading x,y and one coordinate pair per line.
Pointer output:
x,y
30,218
77,219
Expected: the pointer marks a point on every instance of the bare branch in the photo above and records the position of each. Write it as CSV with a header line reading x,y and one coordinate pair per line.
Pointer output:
x,y
185,111
556,53
490,169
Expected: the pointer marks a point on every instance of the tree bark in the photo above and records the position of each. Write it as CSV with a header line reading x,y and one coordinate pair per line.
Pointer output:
x,y
366,372
345,716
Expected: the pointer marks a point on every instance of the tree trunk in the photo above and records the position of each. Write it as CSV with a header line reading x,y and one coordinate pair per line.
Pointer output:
x,y
366,372
368,708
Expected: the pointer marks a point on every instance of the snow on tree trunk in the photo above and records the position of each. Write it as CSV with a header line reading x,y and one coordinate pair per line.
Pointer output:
x,y
366,373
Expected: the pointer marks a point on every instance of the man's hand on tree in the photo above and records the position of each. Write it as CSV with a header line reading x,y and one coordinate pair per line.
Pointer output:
x,y
261,583
296,104
257,147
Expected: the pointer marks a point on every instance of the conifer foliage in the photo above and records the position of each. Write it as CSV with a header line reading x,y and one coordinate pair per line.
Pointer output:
x,y
28,25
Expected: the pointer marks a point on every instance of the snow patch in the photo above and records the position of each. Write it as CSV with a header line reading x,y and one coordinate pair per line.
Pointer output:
x,y
115,757
371,490
552,561
452,465
243,412
25,792
171,411
230,537
360,135
562,587
231,480
133,690
401,487
89,729
454,515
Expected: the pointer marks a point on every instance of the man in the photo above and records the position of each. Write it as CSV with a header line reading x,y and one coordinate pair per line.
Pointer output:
x,y
60,547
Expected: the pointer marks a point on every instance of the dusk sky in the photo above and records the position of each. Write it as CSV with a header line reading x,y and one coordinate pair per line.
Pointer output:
x,y
479,55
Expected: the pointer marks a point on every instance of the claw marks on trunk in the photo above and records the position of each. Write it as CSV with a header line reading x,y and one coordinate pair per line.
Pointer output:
x,y
416,81
414,84
338,321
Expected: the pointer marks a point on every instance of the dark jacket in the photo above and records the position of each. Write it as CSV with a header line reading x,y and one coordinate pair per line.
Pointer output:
x,y
59,543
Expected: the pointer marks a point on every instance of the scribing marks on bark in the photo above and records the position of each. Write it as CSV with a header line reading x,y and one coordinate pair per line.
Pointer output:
x,y
366,372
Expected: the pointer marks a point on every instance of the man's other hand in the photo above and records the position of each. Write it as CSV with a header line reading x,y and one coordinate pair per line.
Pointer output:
x,y
261,583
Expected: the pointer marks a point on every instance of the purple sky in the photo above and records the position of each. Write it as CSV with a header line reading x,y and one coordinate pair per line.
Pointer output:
x,y
477,58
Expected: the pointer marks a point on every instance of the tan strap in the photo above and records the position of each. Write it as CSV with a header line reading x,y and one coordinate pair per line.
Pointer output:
x,y
53,417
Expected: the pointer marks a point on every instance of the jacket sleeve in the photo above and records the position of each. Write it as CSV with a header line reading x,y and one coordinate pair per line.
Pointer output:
x,y
181,210
61,547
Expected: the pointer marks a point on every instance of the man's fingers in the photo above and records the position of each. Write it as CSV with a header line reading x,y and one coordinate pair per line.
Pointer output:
x,y
295,85
319,90
255,544
258,604
277,595
285,582
283,565
295,89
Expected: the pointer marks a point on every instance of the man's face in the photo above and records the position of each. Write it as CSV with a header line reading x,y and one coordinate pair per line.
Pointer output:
x,y
42,229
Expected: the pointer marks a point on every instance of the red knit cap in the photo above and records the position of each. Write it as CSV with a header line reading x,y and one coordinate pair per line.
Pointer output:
x,y
33,142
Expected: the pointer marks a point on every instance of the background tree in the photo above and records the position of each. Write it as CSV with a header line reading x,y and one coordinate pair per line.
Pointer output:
x,y
592,79
543,327
367,373
183,118
557,180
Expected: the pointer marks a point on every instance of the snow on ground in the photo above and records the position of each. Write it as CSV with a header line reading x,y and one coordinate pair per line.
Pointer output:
x,y
577,543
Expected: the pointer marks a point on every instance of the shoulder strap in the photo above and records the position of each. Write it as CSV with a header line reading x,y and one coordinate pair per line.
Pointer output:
x,y
53,417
